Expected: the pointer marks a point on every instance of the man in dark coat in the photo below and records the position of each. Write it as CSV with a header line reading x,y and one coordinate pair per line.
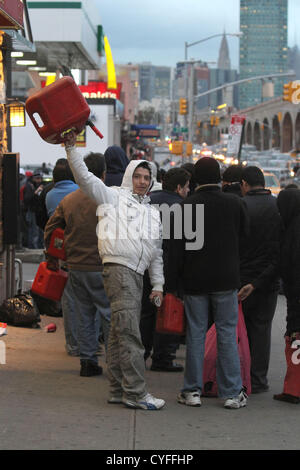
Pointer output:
x,y
289,207
207,267
32,190
116,164
259,257
231,180
175,189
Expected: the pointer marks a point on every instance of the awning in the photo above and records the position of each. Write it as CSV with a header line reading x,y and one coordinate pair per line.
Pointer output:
x,y
11,14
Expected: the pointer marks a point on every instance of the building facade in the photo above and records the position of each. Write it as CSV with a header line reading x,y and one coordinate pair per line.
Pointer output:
x,y
155,81
263,46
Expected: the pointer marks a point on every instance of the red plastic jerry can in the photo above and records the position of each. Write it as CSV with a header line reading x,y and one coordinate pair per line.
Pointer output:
x,y
49,284
58,107
170,316
57,244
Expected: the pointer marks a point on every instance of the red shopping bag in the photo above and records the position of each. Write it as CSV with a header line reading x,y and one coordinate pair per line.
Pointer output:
x,y
292,377
170,316
210,388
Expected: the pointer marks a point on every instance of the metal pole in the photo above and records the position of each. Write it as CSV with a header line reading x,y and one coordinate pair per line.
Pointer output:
x,y
191,105
185,50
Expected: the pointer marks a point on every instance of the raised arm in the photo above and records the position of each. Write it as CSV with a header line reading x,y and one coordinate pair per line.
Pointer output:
x,y
88,183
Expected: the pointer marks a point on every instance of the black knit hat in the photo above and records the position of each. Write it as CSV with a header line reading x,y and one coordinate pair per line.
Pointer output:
x,y
207,171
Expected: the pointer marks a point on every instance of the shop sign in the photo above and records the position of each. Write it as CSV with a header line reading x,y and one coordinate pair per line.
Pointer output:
x,y
99,90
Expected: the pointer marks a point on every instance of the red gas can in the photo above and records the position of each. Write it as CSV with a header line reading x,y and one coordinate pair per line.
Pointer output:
x,y
49,284
170,316
57,244
61,107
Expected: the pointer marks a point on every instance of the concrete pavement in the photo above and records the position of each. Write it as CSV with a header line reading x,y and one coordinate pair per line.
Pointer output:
x,y
45,404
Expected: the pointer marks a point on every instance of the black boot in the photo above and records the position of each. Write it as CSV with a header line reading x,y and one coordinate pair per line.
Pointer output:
x,y
89,368
287,398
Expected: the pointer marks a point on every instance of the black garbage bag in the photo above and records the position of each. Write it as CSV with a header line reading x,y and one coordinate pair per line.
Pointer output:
x,y
20,310
48,307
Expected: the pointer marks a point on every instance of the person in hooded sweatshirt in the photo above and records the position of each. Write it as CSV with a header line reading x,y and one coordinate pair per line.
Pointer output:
x,y
129,241
116,163
289,207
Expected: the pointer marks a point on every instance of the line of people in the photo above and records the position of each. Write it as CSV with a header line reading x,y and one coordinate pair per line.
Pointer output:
x,y
239,260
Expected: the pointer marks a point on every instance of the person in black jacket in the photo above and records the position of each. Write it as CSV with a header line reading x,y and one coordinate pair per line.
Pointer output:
x,y
175,189
116,163
289,207
32,190
208,269
259,258
231,180
42,216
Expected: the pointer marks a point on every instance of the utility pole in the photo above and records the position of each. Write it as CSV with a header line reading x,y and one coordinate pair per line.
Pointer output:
x,y
191,105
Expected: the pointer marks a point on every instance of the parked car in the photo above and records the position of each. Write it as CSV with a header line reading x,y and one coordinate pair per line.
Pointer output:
x,y
272,183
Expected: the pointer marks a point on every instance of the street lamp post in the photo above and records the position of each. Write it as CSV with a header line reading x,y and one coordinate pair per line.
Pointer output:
x,y
186,45
189,119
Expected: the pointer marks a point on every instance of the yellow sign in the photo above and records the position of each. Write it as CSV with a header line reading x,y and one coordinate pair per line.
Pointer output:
x,y
111,72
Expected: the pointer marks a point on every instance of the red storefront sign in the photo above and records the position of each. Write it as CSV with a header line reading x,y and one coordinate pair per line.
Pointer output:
x,y
98,90
11,14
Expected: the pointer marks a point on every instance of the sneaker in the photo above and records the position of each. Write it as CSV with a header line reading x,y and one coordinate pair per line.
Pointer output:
x,y
236,402
148,402
89,368
189,398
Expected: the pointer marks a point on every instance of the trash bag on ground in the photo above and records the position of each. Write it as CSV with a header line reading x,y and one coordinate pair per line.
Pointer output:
x,y
20,310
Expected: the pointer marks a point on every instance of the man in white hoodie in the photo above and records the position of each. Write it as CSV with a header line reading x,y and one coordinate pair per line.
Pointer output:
x,y
129,241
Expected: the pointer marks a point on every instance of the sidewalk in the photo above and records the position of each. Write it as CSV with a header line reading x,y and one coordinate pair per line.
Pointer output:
x,y
45,404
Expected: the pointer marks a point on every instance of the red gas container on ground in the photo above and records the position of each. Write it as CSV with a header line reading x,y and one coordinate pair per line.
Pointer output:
x,y
57,244
49,284
170,316
61,107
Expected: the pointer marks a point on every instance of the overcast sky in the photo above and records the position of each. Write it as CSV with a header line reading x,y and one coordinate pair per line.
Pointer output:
x,y
155,30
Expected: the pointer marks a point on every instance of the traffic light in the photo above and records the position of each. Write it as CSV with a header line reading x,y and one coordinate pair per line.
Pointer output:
x,y
214,120
182,106
288,91
189,148
177,147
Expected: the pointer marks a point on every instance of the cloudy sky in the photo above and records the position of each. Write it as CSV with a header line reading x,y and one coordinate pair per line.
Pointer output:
x,y
155,30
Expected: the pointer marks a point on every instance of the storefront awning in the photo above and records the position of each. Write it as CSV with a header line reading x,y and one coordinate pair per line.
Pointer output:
x,y
11,14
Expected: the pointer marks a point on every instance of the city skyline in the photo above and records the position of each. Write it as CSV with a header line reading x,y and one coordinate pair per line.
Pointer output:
x,y
156,33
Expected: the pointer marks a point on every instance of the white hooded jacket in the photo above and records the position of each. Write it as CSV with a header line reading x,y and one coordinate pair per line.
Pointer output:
x,y
129,228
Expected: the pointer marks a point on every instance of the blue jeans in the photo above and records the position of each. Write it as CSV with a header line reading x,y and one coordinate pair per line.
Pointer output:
x,y
225,311
34,234
93,309
71,319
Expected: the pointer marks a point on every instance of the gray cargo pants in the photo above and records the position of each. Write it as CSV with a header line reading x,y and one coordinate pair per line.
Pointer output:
x,y
125,351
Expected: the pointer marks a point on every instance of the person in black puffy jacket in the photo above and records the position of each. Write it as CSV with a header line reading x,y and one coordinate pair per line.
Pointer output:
x,y
259,258
116,164
289,207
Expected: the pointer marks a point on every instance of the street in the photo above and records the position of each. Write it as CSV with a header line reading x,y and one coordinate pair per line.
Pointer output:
x,y
45,404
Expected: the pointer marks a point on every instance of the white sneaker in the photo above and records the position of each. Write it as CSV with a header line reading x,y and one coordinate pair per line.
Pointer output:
x,y
148,402
189,398
236,402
